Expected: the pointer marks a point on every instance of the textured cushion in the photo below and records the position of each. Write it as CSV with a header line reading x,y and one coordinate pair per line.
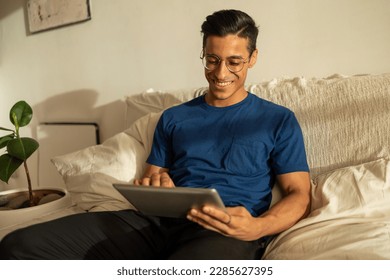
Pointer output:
x,y
154,101
345,120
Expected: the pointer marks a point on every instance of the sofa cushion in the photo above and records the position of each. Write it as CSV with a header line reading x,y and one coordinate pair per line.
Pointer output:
x,y
344,119
154,101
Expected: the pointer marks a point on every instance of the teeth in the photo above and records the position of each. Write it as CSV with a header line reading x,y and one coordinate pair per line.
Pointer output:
x,y
223,84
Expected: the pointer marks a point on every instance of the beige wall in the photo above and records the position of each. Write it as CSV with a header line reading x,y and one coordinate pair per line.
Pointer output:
x,y
82,72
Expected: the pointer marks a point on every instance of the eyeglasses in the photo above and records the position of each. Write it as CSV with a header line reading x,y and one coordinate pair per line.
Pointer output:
x,y
234,64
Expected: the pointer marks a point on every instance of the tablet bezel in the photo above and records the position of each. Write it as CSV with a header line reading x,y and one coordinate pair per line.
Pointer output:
x,y
168,202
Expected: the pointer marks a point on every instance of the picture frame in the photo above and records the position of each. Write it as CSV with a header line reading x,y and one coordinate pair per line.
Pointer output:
x,y
45,15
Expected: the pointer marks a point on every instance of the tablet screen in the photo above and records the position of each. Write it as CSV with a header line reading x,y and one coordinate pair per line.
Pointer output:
x,y
168,202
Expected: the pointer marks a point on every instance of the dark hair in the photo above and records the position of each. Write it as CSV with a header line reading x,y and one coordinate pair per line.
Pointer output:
x,y
226,22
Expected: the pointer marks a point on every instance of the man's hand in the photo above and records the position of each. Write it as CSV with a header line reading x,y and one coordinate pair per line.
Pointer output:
x,y
235,222
155,176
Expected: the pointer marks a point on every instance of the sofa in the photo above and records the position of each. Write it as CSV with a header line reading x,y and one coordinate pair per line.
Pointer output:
x,y
346,127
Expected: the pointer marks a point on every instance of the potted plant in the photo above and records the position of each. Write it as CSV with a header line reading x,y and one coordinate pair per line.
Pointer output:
x,y
17,150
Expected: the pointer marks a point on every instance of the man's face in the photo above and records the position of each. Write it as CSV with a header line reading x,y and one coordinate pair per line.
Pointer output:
x,y
227,88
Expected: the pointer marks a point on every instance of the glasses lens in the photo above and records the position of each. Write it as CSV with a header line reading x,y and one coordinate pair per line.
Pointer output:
x,y
210,62
234,65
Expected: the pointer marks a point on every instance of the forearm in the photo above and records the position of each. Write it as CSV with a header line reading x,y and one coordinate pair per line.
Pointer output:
x,y
284,214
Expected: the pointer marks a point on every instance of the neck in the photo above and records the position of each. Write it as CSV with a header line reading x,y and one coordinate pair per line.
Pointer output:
x,y
216,99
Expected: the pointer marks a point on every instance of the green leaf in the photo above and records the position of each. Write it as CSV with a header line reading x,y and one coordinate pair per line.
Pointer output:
x,y
20,114
7,129
22,148
5,139
8,166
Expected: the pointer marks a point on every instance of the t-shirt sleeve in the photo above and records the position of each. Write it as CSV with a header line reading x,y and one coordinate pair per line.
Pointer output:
x,y
161,152
289,153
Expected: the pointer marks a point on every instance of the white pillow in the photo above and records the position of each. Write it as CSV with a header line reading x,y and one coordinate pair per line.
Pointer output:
x,y
89,173
350,217
356,189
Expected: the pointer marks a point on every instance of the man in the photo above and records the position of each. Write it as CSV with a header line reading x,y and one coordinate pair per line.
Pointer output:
x,y
228,139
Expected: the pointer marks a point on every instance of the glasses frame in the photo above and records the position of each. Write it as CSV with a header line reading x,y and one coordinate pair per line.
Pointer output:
x,y
203,56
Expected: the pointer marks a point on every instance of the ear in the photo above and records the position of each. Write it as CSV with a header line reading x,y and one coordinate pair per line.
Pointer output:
x,y
253,59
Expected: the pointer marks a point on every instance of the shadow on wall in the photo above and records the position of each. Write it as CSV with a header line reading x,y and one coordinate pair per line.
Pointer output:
x,y
80,106
74,106
8,7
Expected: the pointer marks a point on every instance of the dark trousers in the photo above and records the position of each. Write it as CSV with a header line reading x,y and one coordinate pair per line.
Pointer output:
x,y
122,235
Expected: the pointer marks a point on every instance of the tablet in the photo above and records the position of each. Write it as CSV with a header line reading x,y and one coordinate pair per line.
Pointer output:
x,y
168,202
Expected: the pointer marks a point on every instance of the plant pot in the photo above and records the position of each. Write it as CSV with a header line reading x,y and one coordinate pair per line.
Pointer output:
x,y
51,199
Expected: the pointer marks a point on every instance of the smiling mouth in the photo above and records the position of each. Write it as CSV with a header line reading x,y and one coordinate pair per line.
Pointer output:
x,y
222,84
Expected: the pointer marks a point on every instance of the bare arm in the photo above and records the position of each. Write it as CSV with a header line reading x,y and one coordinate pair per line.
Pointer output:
x,y
294,206
155,176
237,222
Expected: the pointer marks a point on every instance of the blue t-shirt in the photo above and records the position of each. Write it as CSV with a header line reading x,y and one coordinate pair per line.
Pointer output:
x,y
237,150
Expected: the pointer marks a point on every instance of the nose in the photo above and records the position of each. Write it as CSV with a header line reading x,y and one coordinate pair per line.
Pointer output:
x,y
221,71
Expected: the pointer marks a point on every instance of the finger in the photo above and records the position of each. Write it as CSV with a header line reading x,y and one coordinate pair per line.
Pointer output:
x,y
166,181
204,224
202,217
230,219
155,180
145,181
197,217
217,226
220,215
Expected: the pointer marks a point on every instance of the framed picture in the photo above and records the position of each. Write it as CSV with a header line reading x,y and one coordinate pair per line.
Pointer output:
x,y
49,14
